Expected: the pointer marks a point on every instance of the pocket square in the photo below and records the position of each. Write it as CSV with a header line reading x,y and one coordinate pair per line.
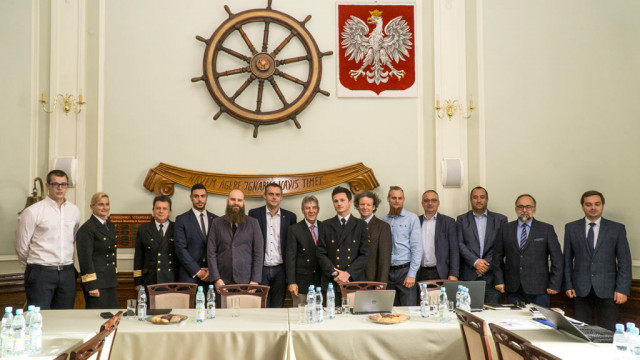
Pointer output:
x,y
538,239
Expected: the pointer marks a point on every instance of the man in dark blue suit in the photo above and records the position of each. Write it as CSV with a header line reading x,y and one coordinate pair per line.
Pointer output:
x,y
521,256
477,230
440,253
190,237
597,263
274,224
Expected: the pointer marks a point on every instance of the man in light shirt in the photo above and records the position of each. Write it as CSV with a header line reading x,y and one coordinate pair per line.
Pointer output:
x,y
44,242
406,251
274,223
440,256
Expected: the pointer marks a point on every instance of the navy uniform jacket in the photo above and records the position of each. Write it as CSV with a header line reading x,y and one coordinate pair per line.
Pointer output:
x,y
446,244
154,261
346,250
607,269
529,268
191,245
469,244
96,249
302,260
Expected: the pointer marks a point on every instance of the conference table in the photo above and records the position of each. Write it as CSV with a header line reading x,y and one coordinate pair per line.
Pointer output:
x,y
278,334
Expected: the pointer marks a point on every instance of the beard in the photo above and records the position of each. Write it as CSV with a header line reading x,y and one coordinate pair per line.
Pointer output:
x,y
395,211
524,218
235,216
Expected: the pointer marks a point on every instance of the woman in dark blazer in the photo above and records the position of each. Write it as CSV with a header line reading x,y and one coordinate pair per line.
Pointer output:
x,y
96,249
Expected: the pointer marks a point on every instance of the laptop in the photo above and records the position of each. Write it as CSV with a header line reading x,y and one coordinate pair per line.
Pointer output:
x,y
591,333
476,291
373,301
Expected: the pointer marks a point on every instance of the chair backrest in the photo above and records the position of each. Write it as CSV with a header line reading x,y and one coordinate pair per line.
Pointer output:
x,y
348,290
535,353
62,357
476,336
172,296
508,345
90,349
111,326
250,296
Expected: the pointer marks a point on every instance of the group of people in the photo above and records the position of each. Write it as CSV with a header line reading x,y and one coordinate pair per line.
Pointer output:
x,y
268,246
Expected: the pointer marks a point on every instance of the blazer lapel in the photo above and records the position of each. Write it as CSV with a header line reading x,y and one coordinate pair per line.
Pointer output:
x,y
195,222
602,235
102,228
474,228
436,236
582,235
262,220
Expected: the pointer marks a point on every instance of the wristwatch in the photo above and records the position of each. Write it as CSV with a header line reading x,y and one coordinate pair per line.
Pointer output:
x,y
335,273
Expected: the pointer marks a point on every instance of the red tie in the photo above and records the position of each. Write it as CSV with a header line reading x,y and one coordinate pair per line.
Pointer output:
x,y
313,233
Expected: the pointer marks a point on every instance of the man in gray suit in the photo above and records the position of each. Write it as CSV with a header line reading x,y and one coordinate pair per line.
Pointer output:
x,y
597,263
477,230
235,247
521,257
377,268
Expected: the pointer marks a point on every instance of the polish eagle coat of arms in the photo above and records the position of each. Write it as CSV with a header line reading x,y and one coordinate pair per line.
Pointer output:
x,y
377,49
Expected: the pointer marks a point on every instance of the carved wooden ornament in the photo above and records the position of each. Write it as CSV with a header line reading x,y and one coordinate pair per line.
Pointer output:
x,y
162,178
261,65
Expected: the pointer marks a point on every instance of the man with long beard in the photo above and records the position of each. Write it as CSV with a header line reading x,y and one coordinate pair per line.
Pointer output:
x,y
235,248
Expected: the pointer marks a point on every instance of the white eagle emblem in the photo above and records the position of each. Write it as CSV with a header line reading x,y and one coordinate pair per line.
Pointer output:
x,y
376,48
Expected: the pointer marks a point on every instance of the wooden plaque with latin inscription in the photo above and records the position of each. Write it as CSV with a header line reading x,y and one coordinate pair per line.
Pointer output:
x,y
127,227
162,178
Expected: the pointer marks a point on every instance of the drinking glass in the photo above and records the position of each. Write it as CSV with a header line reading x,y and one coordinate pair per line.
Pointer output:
x,y
131,309
235,306
345,306
302,314
433,307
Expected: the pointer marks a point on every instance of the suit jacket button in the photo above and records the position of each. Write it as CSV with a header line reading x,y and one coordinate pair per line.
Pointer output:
x,y
159,254
338,258
354,241
169,269
338,266
332,241
303,249
337,250
307,260
114,263
113,254
104,239
148,247
348,249
158,269
159,263
348,257
169,262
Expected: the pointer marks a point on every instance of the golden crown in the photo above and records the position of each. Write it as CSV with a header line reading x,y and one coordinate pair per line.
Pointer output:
x,y
376,13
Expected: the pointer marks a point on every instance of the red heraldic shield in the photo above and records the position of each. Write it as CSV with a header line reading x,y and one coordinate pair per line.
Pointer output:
x,y
376,47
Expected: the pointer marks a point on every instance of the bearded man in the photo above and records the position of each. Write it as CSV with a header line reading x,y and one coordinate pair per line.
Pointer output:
x,y
521,257
235,248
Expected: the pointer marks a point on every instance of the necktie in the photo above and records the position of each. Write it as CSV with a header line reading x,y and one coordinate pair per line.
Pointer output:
x,y
313,233
234,227
523,237
343,221
204,232
591,237
161,232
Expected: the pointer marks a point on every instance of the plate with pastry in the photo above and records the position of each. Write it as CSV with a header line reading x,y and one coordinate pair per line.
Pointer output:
x,y
388,319
167,319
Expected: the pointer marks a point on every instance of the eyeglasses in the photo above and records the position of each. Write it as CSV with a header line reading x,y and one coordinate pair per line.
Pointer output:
x,y
430,200
59,185
525,207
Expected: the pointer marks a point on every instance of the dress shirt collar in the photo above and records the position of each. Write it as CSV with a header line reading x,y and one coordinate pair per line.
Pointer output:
x,y
53,203
309,224
101,221
346,218
278,213
403,213
520,223
481,216
369,218
587,222
198,212
434,217
165,225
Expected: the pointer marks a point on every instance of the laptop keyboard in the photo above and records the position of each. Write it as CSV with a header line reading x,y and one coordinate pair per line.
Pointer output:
x,y
597,334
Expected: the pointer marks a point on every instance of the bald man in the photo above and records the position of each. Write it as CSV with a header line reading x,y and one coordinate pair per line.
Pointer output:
x,y
235,248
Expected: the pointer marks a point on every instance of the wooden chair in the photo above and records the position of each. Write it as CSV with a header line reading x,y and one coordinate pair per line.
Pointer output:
x,y
111,326
508,345
172,296
476,336
250,296
535,353
348,289
433,288
91,349
62,357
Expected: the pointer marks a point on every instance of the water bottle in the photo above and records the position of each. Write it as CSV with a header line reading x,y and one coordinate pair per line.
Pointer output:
x,y
7,342
627,333
620,344
200,313
424,301
459,297
142,304
35,340
443,307
466,300
27,328
634,344
311,305
331,302
211,303
319,313
17,333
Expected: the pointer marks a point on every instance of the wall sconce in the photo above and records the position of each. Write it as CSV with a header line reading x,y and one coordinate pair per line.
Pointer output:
x,y
450,107
68,101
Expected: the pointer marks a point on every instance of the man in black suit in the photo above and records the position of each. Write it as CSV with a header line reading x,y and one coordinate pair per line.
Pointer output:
x,y
154,261
440,254
274,225
343,250
477,230
191,239
521,256
380,244
597,263
301,255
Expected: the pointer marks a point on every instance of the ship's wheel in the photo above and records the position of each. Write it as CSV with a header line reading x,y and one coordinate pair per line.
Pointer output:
x,y
260,65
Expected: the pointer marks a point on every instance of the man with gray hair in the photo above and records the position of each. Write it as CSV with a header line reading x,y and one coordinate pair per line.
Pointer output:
x,y
301,261
377,268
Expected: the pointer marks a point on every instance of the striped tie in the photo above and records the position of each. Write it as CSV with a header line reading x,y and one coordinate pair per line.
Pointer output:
x,y
313,233
523,237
